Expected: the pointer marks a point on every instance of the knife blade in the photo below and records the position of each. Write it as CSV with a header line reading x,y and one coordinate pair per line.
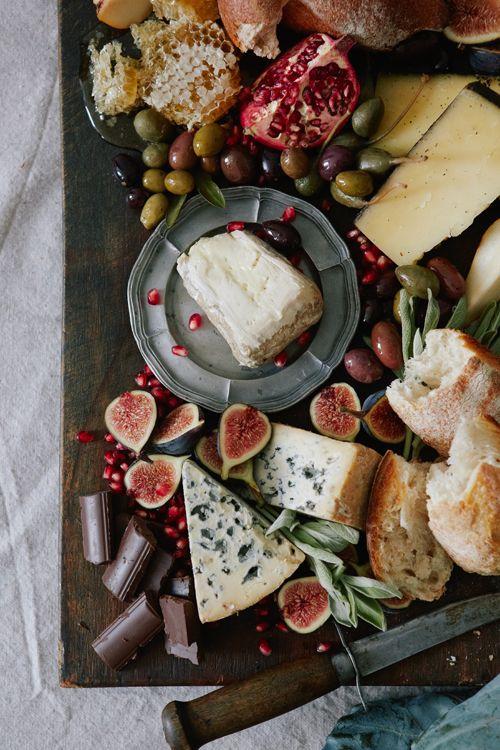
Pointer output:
x,y
271,692
383,649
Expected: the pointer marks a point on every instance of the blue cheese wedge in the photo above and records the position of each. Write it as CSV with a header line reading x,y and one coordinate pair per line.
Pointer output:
x,y
234,564
316,475
254,297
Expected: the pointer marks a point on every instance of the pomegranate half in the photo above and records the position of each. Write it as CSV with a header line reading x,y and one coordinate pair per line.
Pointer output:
x,y
305,95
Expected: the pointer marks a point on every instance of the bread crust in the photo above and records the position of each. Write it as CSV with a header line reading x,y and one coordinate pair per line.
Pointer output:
x,y
474,392
251,24
384,533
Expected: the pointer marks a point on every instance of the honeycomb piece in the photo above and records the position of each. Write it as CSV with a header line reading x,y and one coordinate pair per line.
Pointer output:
x,y
193,10
189,71
115,79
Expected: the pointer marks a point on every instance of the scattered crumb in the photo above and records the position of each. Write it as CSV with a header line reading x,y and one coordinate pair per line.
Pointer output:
x,y
476,632
83,625
490,657
452,660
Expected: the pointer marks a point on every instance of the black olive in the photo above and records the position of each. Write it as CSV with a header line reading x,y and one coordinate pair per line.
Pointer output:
x,y
283,237
126,170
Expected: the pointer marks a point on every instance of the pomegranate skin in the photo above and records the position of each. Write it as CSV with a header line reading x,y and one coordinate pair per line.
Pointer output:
x,y
305,95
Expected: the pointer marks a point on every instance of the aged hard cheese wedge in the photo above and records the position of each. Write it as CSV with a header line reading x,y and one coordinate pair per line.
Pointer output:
x,y
482,285
396,91
316,475
444,194
234,564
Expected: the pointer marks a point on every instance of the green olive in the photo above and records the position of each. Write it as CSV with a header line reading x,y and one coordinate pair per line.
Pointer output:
x,y
209,140
154,210
349,140
310,184
417,279
154,180
155,155
179,182
374,160
151,126
295,163
395,306
367,117
345,200
354,182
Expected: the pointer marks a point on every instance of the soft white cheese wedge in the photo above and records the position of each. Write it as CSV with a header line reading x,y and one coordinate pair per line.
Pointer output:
x,y
234,564
316,475
256,299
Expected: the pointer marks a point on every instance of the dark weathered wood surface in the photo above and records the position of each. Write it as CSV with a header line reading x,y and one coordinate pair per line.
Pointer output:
x,y
102,241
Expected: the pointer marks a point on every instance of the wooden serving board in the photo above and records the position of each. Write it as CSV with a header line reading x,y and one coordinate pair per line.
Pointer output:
x,y
102,241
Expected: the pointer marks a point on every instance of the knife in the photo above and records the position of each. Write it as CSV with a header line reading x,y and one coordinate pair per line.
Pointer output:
x,y
190,725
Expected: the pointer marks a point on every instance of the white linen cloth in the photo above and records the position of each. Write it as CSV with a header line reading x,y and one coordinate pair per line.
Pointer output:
x,y
35,713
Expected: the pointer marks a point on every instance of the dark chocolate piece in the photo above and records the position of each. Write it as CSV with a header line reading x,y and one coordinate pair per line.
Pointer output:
x,y
95,512
182,627
181,586
136,626
157,572
136,549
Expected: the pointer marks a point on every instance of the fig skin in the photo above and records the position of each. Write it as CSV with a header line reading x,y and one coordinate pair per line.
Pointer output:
x,y
240,421
292,596
381,421
178,431
206,452
134,402
325,414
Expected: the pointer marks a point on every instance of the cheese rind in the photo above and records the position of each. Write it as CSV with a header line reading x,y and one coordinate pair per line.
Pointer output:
x,y
316,475
234,564
438,198
256,299
482,285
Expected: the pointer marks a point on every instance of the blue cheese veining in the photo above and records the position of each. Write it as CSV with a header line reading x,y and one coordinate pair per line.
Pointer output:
x,y
234,564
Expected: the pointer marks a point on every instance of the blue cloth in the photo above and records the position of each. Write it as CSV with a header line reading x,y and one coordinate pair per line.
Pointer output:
x,y
430,721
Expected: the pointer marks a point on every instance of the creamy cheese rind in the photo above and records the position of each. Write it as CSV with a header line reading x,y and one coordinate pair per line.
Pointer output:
x,y
234,564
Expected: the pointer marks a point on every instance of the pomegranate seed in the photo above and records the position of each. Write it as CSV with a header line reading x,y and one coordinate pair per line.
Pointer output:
x,y
154,297
109,457
232,140
281,359
370,257
195,322
369,277
304,338
108,470
124,466
180,351
116,486
142,513
295,260
118,457
181,543
324,647
153,382
233,226
245,94
262,611
173,402
352,234
383,262
326,205
288,214
364,246
261,627
265,647
182,524
281,626
171,532
174,512
141,379
120,447
361,239
85,437
179,553
108,437
117,476
162,489
147,369
159,393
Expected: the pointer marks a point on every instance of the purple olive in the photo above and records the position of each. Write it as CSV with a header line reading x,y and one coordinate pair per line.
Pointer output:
x,y
238,165
371,312
136,197
282,236
387,285
126,170
333,160
386,342
270,165
362,365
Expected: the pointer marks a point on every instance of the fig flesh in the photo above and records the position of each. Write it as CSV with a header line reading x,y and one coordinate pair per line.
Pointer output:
x,y
207,453
381,421
243,432
303,603
327,415
153,482
179,430
130,418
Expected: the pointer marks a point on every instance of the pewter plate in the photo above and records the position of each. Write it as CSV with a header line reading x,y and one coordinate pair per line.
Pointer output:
x,y
211,376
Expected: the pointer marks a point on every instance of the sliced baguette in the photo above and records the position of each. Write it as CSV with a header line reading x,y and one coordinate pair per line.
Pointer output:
x,y
453,377
401,547
464,497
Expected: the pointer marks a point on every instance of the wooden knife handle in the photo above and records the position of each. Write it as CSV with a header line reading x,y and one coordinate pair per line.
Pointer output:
x,y
191,724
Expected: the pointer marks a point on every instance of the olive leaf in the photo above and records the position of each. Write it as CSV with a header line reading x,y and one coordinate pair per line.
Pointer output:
x,y
370,611
372,588
174,209
209,189
431,315
459,314
285,520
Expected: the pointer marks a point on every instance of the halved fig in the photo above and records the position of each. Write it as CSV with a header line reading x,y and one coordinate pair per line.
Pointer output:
x,y
381,421
303,603
153,482
243,432
207,453
178,431
130,418
327,415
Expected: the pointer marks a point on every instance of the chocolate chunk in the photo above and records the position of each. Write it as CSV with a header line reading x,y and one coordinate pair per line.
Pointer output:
x,y
181,586
136,626
182,627
96,527
136,549
157,572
